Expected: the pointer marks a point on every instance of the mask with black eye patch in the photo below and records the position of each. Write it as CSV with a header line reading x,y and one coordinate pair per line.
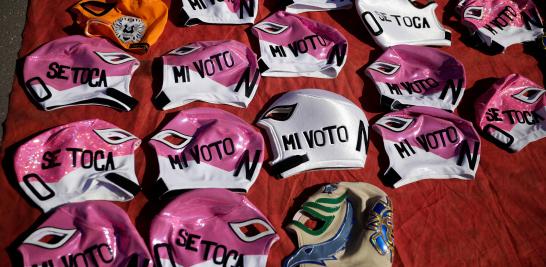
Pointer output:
x,y
129,29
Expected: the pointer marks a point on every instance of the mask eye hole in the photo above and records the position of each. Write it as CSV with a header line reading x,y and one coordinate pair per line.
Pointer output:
x,y
395,124
252,230
529,95
384,67
172,138
184,50
271,27
114,136
114,58
312,222
280,113
50,237
474,12
97,8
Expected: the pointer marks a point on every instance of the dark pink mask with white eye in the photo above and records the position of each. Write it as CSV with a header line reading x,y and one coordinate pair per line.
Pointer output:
x,y
512,112
501,23
223,72
292,46
407,75
77,70
91,233
207,148
428,143
84,160
211,227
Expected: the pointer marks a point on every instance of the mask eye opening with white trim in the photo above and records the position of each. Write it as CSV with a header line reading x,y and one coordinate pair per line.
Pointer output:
x,y
184,50
395,124
280,113
474,12
271,27
173,139
529,95
384,67
252,230
115,58
114,136
50,237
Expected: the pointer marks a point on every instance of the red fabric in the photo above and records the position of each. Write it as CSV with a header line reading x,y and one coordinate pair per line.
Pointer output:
x,y
496,220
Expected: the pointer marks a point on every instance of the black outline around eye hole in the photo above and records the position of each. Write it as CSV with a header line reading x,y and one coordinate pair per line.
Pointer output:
x,y
279,28
287,115
471,16
160,137
37,177
376,66
382,122
191,50
33,239
157,257
33,93
103,134
104,56
269,229
519,96
106,6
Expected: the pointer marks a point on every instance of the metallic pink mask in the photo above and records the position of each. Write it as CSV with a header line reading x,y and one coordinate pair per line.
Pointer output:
x,y
84,160
512,112
92,233
207,148
211,227
407,75
77,70
424,142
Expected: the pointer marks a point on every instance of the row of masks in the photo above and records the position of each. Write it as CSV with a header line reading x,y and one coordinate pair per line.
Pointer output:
x,y
205,147
495,23
343,224
76,70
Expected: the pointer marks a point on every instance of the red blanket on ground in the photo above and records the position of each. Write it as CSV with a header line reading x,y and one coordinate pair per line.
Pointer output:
x,y
496,220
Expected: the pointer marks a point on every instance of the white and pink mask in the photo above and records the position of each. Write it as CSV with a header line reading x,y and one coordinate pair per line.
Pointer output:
x,y
428,143
77,70
218,12
211,227
222,72
207,148
84,160
395,22
92,233
408,75
292,46
512,112
501,23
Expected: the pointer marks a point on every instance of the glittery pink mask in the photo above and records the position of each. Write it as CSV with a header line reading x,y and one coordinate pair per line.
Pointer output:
x,y
211,227
92,233
207,148
512,112
424,142
84,160
407,75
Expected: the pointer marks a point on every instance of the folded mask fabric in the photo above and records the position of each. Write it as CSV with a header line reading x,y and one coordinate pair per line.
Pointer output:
x,y
207,148
394,22
218,12
211,227
501,23
79,161
291,46
428,143
220,72
134,25
408,75
512,112
344,225
300,6
91,233
77,70
313,129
